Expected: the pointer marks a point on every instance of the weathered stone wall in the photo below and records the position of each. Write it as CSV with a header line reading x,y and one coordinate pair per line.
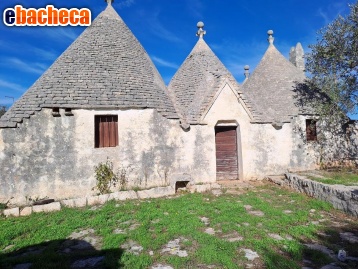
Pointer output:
x,y
55,156
337,143
351,135
341,197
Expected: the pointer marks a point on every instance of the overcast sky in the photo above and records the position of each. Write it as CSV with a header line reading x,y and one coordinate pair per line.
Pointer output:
x,y
236,32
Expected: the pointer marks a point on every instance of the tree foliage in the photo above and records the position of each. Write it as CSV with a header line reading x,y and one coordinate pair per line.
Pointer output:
x,y
2,110
333,65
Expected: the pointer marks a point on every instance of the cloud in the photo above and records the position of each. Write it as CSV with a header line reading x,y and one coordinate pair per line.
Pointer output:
x,y
126,3
163,62
195,8
324,16
24,48
44,53
156,27
11,86
332,11
61,33
36,68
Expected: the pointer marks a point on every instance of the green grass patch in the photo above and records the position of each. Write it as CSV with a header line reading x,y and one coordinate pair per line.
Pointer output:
x,y
342,178
40,238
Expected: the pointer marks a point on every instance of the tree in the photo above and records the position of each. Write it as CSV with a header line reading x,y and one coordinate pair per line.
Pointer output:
x,y
2,110
333,66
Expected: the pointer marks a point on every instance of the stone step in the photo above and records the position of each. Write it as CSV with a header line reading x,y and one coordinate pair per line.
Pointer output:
x,y
279,180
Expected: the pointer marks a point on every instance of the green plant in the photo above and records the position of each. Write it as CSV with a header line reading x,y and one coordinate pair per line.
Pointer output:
x,y
2,110
136,188
105,177
123,176
5,205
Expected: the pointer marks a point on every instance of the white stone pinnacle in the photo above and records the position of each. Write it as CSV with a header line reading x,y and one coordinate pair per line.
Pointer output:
x,y
200,32
247,68
270,38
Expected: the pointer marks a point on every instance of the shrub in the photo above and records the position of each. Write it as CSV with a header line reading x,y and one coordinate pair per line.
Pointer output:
x,y
105,177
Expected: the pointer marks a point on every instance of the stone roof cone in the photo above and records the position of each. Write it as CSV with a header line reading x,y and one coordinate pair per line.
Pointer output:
x,y
271,86
104,68
198,79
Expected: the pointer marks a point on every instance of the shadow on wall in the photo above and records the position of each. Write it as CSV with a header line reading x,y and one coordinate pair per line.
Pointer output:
x,y
337,138
62,253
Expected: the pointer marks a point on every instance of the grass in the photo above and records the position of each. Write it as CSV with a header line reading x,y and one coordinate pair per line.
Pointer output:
x,y
342,178
40,238
3,206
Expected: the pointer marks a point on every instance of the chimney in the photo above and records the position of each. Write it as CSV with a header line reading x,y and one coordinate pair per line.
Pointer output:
x,y
297,56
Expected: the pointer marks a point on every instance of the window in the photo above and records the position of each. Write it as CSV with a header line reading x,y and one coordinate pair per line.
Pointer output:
x,y
106,131
311,130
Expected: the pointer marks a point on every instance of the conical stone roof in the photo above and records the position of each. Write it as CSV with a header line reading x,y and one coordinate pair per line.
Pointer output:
x,y
105,68
198,80
271,87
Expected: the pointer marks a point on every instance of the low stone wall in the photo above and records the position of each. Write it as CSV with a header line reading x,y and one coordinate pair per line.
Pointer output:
x,y
342,197
101,199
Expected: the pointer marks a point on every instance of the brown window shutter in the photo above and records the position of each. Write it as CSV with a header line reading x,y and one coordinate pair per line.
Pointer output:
x,y
112,132
106,131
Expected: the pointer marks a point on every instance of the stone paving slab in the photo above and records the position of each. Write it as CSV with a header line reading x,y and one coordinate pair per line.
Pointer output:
x,y
15,212
56,206
26,211
97,200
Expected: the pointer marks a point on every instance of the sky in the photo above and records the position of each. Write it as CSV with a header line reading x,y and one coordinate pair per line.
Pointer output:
x,y
236,31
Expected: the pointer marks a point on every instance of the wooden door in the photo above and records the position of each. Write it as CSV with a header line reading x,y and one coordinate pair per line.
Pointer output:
x,y
226,152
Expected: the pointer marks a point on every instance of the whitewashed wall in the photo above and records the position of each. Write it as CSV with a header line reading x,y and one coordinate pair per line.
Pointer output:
x,y
265,149
55,156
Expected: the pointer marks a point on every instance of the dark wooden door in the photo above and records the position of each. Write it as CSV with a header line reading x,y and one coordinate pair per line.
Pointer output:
x,y
226,152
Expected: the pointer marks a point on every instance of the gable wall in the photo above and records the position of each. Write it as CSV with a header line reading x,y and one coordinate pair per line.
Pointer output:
x,y
265,150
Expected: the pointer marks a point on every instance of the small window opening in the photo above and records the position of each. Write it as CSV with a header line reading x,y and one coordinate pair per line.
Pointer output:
x,y
181,185
311,130
106,131
56,112
68,112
